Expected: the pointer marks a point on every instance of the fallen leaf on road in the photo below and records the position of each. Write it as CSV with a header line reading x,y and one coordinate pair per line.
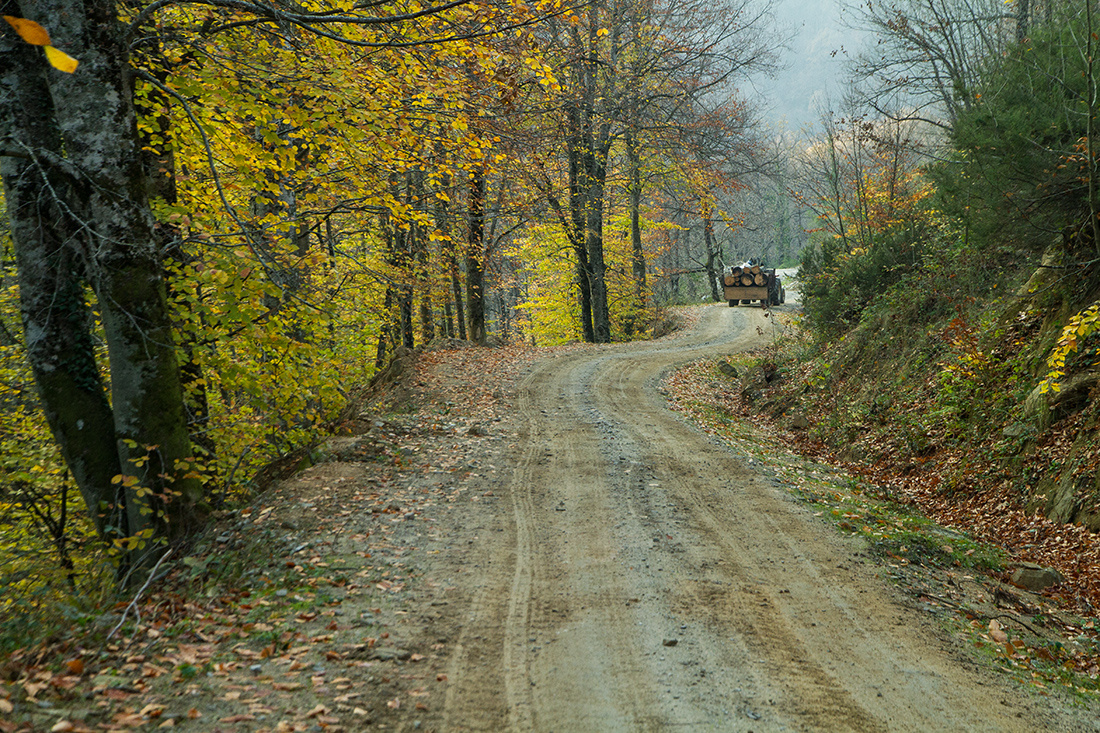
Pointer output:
x,y
153,710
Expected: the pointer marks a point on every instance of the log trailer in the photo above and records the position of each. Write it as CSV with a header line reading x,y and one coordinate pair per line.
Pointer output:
x,y
749,282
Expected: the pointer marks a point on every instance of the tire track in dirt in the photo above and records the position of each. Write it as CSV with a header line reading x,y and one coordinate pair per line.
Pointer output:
x,y
645,579
523,512
751,614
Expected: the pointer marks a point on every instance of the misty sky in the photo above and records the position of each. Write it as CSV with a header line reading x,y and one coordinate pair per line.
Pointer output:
x,y
812,75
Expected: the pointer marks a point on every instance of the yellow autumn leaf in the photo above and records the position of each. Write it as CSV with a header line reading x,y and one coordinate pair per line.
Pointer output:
x,y
602,32
29,31
61,60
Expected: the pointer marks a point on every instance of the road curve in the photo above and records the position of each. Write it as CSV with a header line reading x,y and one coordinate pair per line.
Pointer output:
x,y
639,577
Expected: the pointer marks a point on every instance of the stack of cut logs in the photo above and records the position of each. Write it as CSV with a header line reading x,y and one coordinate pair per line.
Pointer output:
x,y
745,275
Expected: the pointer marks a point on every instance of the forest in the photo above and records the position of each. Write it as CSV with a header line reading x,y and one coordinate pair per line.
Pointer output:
x,y
223,217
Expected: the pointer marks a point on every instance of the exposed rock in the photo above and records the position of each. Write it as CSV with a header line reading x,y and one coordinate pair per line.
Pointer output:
x,y
1046,274
389,655
728,369
285,466
1068,492
751,396
799,421
754,377
403,358
782,406
1035,577
1073,391
752,383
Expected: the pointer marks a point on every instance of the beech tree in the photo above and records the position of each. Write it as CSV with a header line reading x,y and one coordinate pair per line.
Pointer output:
x,y
86,229
281,189
639,79
94,228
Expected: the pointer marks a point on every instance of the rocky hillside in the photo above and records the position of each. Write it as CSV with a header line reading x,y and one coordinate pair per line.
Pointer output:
x,y
945,400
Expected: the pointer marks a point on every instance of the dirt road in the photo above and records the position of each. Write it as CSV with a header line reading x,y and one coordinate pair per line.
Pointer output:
x,y
637,576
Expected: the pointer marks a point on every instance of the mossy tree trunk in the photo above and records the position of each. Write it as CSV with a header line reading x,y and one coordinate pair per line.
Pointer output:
x,y
52,294
106,210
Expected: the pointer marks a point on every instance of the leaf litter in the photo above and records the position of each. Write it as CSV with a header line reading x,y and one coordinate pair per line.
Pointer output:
x,y
323,605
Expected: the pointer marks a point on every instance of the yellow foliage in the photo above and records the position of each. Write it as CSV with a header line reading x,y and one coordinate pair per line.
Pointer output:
x,y
1080,327
548,267
551,303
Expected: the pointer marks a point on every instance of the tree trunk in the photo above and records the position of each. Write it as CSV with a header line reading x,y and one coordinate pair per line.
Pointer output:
x,y
448,319
55,313
451,279
597,268
456,289
637,258
402,261
159,161
596,145
712,254
420,256
475,247
120,257
386,335
577,206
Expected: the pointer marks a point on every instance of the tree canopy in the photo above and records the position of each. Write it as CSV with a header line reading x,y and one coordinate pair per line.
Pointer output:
x,y
223,217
